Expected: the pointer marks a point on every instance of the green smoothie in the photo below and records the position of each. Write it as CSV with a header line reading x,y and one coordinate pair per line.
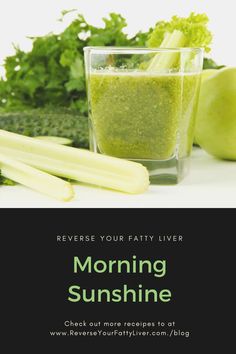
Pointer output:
x,y
140,115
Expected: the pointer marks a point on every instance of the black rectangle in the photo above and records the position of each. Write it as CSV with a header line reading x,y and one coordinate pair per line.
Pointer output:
x,y
37,271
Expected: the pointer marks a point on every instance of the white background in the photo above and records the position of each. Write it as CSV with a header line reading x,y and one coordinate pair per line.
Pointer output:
x,y
22,18
211,183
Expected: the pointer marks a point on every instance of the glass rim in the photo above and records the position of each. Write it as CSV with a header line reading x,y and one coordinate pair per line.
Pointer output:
x,y
138,50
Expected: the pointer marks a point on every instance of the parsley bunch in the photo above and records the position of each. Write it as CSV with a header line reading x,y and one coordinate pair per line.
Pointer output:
x,y
52,73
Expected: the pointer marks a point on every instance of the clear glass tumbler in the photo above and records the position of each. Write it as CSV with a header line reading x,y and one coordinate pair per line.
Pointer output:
x,y
142,106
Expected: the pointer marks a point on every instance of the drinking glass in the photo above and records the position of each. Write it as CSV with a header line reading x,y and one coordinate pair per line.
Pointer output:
x,y
142,106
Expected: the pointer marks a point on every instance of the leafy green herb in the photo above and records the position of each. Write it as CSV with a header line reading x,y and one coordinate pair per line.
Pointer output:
x,y
194,29
211,64
52,73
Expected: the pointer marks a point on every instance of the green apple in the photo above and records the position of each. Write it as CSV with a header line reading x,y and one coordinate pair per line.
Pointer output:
x,y
216,118
205,74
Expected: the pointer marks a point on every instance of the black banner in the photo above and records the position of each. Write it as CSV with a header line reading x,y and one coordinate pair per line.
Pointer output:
x,y
56,262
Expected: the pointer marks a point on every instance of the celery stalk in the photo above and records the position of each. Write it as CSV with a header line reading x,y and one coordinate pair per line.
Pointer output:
x,y
35,179
166,60
55,140
164,43
77,164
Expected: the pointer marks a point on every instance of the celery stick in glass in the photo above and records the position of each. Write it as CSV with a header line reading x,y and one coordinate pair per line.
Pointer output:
x,y
191,32
166,60
193,27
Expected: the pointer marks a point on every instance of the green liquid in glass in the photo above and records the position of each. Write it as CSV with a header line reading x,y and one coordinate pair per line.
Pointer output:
x,y
143,116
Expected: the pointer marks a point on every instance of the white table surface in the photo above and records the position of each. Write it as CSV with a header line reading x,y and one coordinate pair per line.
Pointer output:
x,y
211,183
